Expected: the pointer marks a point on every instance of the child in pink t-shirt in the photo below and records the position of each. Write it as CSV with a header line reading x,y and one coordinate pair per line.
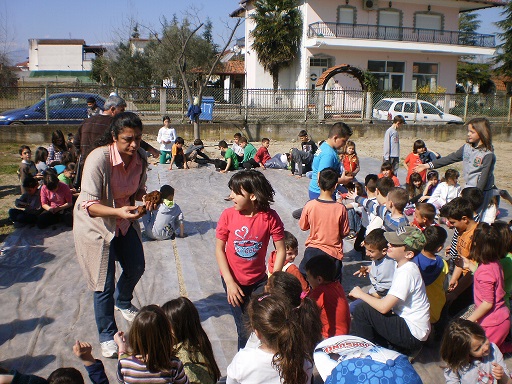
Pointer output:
x,y
488,289
243,234
57,202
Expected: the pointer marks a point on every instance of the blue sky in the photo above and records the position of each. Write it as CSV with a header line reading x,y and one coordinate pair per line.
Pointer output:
x,y
100,22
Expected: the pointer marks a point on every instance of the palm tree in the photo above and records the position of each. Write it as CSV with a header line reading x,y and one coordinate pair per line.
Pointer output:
x,y
277,34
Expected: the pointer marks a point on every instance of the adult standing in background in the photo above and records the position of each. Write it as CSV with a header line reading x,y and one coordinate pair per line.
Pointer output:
x,y
95,127
105,223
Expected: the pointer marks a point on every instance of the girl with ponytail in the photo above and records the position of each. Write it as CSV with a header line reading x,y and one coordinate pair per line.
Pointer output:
x,y
281,357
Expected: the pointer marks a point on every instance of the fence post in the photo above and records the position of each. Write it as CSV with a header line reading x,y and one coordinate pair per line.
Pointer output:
x,y
305,99
509,108
163,100
466,103
321,105
46,101
246,109
415,107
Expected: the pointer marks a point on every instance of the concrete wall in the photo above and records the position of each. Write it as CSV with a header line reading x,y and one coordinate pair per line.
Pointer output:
x,y
41,134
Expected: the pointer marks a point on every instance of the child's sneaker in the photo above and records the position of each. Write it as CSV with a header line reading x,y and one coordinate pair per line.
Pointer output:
x,y
109,349
352,235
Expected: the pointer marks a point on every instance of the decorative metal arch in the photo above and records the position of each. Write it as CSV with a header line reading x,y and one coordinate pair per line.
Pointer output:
x,y
343,68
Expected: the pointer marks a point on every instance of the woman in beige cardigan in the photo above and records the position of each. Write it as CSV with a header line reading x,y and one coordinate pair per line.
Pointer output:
x,y
105,223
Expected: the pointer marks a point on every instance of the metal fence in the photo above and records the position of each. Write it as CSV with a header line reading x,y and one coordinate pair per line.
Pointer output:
x,y
253,105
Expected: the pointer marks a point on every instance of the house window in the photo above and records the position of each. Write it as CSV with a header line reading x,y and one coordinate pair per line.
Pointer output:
x,y
346,14
429,20
319,62
389,21
424,74
390,74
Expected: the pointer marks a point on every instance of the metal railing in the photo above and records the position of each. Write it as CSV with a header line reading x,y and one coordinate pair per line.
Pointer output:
x,y
367,31
262,105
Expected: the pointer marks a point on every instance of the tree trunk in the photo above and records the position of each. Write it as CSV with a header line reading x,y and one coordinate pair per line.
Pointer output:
x,y
275,81
196,128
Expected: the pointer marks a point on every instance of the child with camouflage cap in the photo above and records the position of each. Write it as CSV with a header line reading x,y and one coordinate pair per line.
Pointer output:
x,y
402,317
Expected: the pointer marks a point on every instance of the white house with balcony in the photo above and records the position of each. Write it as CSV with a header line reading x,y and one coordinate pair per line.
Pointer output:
x,y
406,44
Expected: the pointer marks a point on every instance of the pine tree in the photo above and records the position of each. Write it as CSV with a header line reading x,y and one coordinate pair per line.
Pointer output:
x,y
503,59
277,35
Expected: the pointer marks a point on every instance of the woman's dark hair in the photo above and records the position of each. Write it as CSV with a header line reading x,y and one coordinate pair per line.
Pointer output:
x,y
58,141
417,145
279,329
150,336
254,182
121,120
286,285
456,344
186,328
485,242
41,155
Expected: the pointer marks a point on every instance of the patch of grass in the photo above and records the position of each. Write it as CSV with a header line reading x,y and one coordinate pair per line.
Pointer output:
x,y
9,185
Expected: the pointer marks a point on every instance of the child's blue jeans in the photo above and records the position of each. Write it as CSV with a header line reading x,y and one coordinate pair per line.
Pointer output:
x,y
239,313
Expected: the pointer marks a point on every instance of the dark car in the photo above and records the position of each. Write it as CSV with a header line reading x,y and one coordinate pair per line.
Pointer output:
x,y
63,108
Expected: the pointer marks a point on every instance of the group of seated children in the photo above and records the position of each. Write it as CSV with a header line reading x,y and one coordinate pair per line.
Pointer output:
x,y
408,277
47,187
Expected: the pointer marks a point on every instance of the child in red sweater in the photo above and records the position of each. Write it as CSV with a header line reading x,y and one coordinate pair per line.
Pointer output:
x,y
350,159
386,170
329,296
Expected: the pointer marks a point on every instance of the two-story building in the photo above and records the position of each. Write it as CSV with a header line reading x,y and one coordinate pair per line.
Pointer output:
x,y
406,44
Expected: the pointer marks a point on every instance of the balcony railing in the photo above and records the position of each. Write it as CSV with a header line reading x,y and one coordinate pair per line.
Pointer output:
x,y
377,32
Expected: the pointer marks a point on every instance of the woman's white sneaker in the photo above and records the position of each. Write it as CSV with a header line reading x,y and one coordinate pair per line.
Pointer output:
x,y
109,349
129,314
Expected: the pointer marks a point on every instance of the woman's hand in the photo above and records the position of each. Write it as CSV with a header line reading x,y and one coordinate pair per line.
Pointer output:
x,y
420,168
129,212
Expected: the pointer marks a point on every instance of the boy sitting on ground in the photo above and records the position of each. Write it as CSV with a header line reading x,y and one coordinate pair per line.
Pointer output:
x,y
381,270
231,159
28,204
194,153
392,213
402,317
249,149
433,269
27,167
164,222
292,250
178,156
329,296
262,158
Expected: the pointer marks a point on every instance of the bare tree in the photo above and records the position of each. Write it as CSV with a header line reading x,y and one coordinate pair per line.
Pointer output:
x,y
206,79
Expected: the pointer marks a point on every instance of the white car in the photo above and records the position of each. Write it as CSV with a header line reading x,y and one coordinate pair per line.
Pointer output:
x,y
387,109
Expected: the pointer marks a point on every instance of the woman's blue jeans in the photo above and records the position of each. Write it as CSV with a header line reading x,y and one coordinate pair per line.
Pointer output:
x,y
128,251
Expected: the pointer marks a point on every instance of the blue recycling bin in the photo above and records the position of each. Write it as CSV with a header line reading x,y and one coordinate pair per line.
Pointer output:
x,y
207,104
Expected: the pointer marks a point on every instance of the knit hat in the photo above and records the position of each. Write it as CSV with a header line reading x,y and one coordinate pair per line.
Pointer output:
x,y
410,236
